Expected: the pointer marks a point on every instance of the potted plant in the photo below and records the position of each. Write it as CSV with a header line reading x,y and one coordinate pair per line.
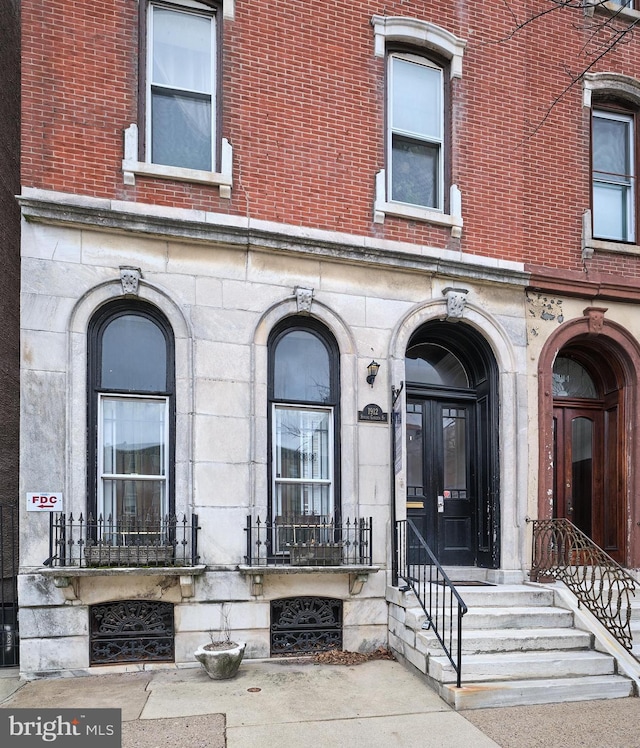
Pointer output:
x,y
221,657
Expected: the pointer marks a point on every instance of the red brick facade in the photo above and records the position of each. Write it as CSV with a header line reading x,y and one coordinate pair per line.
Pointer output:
x,y
303,105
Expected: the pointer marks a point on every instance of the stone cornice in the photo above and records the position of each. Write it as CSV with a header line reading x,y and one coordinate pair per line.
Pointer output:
x,y
203,227
596,287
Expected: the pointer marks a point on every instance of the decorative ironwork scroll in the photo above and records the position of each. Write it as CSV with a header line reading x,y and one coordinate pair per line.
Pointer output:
x,y
565,553
304,625
131,631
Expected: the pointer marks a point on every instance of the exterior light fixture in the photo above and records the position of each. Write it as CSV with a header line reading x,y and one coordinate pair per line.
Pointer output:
x,y
372,372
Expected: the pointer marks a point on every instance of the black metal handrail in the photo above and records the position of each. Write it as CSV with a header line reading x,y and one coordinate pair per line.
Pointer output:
x,y
125,541
438,597
563,552
309,540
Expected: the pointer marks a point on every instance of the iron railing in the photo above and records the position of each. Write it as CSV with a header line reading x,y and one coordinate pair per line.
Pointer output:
x,y
123,541
9,634
563,552
438,597
309,540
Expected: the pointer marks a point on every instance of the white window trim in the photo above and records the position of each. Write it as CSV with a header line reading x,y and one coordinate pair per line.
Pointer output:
x,y
625,87
131,166
382,208
102,476
204,13
393,130
616,9
224,178
421,35
330,481
630,191
591,245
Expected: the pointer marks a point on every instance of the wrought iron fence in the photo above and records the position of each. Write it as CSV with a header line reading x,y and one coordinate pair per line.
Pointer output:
x,y
9,632
416,564
123,541
309,540
563,552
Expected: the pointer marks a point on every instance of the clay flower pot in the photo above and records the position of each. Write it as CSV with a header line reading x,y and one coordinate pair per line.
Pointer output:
x,y
221,660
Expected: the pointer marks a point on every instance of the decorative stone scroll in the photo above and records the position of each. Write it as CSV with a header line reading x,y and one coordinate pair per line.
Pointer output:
x,y
130,277
456,302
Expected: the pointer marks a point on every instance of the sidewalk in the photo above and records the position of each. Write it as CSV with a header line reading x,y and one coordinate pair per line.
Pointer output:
x,y
378,704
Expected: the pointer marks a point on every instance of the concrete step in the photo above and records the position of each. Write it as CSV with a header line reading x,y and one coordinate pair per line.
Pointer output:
x,y
479,641
515,617
521,665
505,595
541,691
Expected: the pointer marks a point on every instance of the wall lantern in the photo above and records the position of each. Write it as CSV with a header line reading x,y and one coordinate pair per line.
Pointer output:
x,y
372,372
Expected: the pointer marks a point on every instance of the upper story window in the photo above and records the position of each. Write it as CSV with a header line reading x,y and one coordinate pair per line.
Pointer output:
x,y
181,86
177,136
417,179
304,405
613,175
131,412
416,131
610,223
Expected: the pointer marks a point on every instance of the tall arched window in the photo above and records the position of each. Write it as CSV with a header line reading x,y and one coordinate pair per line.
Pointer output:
x,y
131,414
304,418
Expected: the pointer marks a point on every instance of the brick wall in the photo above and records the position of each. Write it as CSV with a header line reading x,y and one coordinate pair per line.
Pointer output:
x,y
303,106
9,250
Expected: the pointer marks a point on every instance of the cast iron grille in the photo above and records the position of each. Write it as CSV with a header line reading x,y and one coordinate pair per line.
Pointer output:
x,y
131,631
304,625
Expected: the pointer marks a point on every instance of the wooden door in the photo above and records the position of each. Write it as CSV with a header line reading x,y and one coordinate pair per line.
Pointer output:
x,y
588,488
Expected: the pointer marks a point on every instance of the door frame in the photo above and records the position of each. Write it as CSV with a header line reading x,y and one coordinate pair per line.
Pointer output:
x,y
610,341
474,353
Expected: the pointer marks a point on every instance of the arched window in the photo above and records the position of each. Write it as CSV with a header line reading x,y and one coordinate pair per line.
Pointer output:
x,y
304,417
132,415
571,379
432,364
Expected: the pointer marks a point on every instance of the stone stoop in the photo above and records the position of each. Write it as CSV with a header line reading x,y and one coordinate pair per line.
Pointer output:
x,y
518,648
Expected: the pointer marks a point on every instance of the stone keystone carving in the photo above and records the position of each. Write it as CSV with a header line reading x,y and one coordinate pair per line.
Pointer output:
x,y
456,302
129,277
304,297
595,318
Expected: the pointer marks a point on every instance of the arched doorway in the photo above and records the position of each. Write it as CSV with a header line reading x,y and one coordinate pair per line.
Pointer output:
x,y
452,443
588,416
589,444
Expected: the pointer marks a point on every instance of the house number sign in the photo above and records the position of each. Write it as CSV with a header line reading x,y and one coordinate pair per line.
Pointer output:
x,y
372,412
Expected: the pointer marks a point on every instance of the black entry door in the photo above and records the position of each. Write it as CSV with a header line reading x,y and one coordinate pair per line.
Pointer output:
x,y
441,479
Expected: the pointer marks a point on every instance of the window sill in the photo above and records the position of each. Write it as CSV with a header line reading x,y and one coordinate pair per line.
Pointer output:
x,y
383,208
67,578
358,575
627,14
601,245
131,166
591,245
